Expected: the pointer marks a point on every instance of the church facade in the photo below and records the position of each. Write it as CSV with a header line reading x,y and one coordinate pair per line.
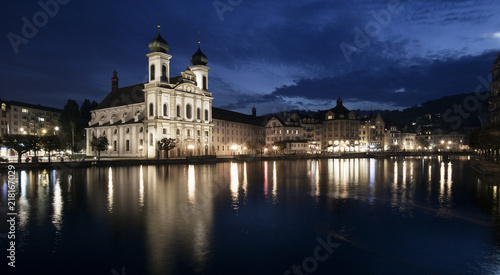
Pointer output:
x,y
135,118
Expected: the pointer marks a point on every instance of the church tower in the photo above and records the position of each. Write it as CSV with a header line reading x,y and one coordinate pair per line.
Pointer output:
x,y
200,69
494,101
156,98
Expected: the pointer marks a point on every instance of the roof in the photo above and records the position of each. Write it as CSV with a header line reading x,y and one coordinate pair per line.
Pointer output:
x,y
123,96
222,114
33,106
117,123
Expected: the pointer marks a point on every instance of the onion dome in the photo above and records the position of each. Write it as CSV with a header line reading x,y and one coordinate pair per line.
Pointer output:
x,y
158,44
198,57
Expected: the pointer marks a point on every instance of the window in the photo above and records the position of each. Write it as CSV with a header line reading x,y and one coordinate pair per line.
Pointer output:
x,y
188,111
116,131
151,142
198,113
24,110
127,131
178,110
188,133
198,133
152,71
127,145
204,82
206,116
151,109
165,109
114,145
141,129
178,132
164,73
164,131
103,133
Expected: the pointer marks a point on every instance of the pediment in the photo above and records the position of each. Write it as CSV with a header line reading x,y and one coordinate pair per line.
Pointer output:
x,y
189,88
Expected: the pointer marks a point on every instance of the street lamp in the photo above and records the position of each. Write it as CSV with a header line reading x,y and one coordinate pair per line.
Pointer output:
x,y
44,131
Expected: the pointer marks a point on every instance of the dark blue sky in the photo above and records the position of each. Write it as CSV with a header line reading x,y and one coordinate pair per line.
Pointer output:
x,y
275,55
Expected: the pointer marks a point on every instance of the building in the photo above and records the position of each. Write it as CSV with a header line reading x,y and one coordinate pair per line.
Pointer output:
x,y
236,133
494,101
283,127
29,119
371,133
340,129
135,118
392,139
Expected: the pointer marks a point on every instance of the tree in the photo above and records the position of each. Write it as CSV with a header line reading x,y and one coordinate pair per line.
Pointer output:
x,y
280,145
255,145
50,143
18,143
99,144
166,144
34,144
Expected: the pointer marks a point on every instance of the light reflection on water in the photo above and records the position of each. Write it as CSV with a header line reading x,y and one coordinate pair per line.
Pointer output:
x,y
182,218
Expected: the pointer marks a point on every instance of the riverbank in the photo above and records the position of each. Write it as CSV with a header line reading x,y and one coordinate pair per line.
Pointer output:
x,y
106,162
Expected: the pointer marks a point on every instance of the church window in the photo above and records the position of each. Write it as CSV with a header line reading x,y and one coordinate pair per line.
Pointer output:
x,y
127,145
204,82
116,131
103,133
141,129
152,71
178,132
206,116
127,131
151,142
188,133
164,73
165,109
198,113
164,131
151,109
188,111
198,133
114,145
178,110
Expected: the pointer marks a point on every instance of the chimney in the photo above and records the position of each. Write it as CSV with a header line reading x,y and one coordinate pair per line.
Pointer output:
x,y
114,82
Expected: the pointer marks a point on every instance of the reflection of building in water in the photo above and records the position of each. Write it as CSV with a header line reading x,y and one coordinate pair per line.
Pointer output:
x,y
179,205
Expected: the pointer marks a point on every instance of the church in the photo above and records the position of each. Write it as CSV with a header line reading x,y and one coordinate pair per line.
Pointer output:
x,y
134,118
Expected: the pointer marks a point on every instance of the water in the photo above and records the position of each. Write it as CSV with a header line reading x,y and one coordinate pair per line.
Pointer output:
x,y
332,216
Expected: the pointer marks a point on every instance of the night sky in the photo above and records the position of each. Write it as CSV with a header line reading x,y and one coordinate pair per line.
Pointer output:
x,y
276,55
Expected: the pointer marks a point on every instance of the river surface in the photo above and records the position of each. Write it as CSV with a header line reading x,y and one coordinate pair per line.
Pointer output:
x,y
331,216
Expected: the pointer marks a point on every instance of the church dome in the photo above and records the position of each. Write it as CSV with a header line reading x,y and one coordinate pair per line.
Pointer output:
x,y
158,44
198,57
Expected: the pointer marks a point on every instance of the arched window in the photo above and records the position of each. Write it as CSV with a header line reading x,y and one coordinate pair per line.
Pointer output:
x,y
204,82
165,109
152,71
188,133
188,111
151,109
178,110
198,113
198,132
206,115
164,73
